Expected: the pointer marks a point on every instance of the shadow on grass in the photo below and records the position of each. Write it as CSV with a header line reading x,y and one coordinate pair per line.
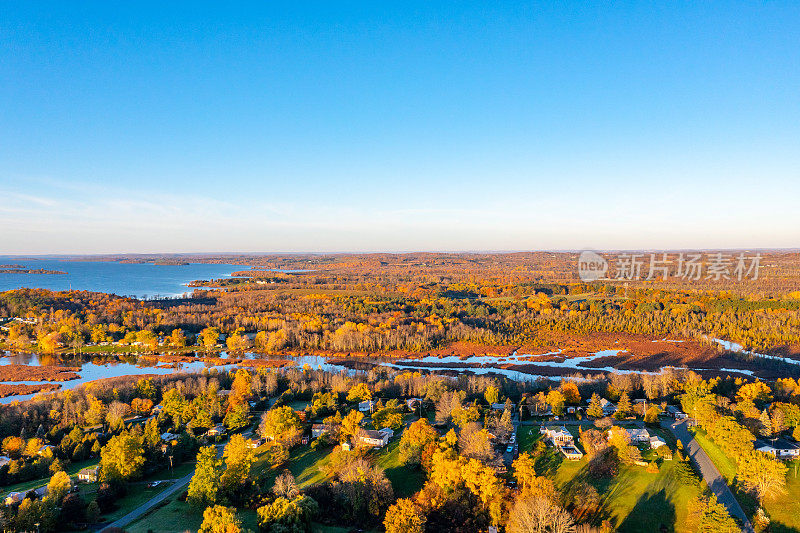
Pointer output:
x,y
653,512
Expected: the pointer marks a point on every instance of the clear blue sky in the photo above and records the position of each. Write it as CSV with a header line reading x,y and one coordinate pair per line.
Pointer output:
x,y
398,126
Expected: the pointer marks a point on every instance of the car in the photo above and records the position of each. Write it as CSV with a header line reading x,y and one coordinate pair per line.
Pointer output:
x,y
509,449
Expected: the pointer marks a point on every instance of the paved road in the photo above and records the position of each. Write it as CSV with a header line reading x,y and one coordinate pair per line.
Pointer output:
x,y
710,473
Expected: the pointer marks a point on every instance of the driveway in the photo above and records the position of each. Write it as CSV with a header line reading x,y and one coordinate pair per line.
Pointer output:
x,y
710,474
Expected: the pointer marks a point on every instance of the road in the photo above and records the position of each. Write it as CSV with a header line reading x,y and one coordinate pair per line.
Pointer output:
x,y
710,474
177,485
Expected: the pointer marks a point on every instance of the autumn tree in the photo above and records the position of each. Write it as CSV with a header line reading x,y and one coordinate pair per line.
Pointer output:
x,y
220,519
414,440
404,517
624,407
121,458
707,515
239,459
359,393
282,425
595,409
762,475
351,424
58,487
208,338
534,514
492,394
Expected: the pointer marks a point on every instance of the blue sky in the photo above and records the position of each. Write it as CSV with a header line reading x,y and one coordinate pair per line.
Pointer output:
x,y
405,126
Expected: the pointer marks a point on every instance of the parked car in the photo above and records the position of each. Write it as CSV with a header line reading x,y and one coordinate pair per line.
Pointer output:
x,y
510,449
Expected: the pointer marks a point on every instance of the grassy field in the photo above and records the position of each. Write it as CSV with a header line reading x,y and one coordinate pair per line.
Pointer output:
x,y
634,501
405,480
783,510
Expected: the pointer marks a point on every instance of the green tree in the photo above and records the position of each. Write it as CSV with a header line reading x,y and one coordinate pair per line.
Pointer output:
x,y
205,484
238,416
623,406
290,516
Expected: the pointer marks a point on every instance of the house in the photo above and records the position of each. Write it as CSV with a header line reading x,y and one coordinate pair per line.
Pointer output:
x,y
388,431
223,393
13,498
4,460
656,442
157,409
366,406
346,446
413,403
253,444
374,438
89,474
639,435
501,406
559,436
44,449
780,448
609,408
169,437
40,492
675,412
217,431
317,430
571,452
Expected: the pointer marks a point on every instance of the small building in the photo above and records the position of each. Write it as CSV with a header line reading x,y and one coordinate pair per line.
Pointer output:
x,y
89,474
223,393
501,406
657,442
346,446
366,406
157,409
413,403
370,437
13,498
169,437
388,431
317,430
40,492
571,452
44,449
639,435
559,436
217,431
780,448
4,460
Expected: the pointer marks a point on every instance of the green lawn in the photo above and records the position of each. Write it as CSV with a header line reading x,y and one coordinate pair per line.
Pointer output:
x,y
633,501
405,480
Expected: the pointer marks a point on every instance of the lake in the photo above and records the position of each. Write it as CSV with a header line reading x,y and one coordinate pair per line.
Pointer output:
x,y
140,280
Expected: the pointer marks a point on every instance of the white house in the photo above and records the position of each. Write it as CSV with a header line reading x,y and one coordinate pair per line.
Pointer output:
x,y
366,406
217,431
780,448
89,474
656,442
559,436
317,430
374,438
639,435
